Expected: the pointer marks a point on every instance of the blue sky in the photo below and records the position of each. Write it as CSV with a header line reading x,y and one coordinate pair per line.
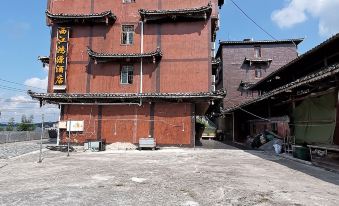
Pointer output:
x,y
25,36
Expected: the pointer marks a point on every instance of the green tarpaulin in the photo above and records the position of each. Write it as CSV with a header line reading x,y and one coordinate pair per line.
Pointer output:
x,y
315,120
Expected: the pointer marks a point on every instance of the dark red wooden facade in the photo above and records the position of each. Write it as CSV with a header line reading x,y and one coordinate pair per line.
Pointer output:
x,y
184,67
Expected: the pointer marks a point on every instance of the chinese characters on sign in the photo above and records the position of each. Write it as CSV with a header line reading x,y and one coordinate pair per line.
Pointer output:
x,y
61,58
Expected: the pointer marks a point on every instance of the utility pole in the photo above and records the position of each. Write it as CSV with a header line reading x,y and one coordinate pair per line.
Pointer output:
x,y
42,135
69,136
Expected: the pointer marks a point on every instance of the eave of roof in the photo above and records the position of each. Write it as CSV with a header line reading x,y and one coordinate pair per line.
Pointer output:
x,y
283,41
296,42
221,2
104,17
216,61
258,60
104,57
191,13
44,59
125,97
276,72
316,76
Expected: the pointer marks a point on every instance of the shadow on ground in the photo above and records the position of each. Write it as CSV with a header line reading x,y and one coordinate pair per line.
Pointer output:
x,y
213,144
314,171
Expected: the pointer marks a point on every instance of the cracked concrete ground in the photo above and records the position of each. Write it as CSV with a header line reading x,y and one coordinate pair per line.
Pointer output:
x,y
166,177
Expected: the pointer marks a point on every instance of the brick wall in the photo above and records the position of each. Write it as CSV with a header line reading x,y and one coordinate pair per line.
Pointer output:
x,y
235,71
186,62
170,124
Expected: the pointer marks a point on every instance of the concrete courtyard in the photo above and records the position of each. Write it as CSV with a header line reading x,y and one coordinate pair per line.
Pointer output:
x,y
226,176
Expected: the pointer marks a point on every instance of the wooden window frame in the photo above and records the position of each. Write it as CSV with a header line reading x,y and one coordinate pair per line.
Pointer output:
x,y
127,34
256,72
130,77
259,54
128,1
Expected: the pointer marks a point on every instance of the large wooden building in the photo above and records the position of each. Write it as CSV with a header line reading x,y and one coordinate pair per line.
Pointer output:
x,y
302,93
130,69
240,64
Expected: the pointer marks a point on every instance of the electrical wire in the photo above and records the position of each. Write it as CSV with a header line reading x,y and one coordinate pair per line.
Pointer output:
x,y
254,114
251,19
12,88
248,112
260,27
11,82
20,102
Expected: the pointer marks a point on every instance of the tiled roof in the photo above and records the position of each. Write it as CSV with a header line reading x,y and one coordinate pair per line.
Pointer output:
x,y
221,2
105,57
125,97
245,85
104,17
216,61
257,42
44,59
257,61
316,76
308,53
250,42
176,15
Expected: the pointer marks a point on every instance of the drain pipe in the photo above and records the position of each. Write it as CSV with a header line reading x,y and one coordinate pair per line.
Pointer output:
x,y
141,61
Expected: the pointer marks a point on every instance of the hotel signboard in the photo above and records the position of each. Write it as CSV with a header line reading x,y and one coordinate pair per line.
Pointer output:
x,y
61,52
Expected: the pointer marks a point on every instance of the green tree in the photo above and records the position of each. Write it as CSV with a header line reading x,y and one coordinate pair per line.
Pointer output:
x,y
10,125
26,124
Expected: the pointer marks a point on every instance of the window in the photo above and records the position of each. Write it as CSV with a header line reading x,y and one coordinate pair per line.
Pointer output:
x,y
274,127
257,52
127,34
128,1
126,76
258,73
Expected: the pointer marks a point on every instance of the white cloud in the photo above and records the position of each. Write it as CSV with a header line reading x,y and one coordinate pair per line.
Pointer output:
x,y
17,106
299,11
36,82
46,67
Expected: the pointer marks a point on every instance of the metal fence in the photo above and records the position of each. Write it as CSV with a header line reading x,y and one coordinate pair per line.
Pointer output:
x,y
8,137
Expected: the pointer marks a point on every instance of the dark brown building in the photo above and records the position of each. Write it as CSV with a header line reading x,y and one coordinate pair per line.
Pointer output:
x,y
240,64
305,91
128,69
243,63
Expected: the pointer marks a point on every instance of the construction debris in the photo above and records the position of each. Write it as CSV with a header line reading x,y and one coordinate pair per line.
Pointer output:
x,y
273,145
121,146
